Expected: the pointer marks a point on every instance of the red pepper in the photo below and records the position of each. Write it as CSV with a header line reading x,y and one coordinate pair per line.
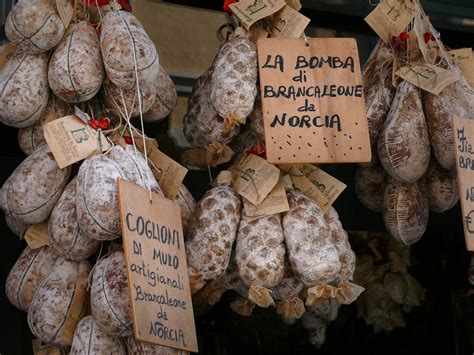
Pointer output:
x,y
88,3
258,150
226,7
93,123
394,40
104,123
427,36
128,139
404,36
125,5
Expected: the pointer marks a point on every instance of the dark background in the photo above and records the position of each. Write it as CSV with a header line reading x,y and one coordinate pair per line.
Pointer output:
x,y
444,324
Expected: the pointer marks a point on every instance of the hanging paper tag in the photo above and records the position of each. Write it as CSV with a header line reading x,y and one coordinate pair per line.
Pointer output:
x,y
76,310
66,11
428,77
303,184
71,140
44,349
391,17
169,173
161,300
6,52
289,23
275,202
464,59
464,141
295,4
250,11
37,235
327,184
254,178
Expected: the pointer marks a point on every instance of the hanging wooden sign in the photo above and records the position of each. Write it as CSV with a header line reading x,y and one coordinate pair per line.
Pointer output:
x,y
464,141
313,101
157,270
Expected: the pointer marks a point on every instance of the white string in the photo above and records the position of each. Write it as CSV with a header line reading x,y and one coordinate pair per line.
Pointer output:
x,y
99,10
137,84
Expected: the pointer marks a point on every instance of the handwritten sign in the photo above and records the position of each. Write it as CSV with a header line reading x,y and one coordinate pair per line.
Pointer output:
x,y
157,271
313,101
71,140
391,17
428,77
464,140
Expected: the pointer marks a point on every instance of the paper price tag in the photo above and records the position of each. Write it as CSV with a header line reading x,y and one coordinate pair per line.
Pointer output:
x,y
391,17
66,11
76,310
254,178
71,140
289,23
428,77
275,202
169,173
464,59
250,11
303,184
37,235
6,51
327,184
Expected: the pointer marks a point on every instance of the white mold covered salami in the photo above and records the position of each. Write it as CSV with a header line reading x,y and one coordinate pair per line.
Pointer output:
x,y
370,185
234,79
406,210
29,271
34,25
256,119
260,256
23,89
124,102
110,297
137,347
90,339
202,125
442,188
212,232
404,146
65,235
31,137
166,98
75,69
378,89
49,311
439,112
134,167
31,192
187,205
123,40
97,198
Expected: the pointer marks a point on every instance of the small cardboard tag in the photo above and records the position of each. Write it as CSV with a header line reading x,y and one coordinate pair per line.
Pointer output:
x,y
254,178
464,141
169,173
44,349
295,4
289,23
201,159
250,11
275,202
76,310
303,184
391,17
161,300
428,77
6,51
37,235
327,184
71,140
464,59
66,11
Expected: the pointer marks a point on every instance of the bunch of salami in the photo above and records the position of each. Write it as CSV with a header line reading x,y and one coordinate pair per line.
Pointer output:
x,y
76,297
412,171
390,291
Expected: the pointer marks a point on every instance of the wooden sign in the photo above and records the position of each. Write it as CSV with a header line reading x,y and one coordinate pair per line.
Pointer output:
x,y
464,141
157,270
313,101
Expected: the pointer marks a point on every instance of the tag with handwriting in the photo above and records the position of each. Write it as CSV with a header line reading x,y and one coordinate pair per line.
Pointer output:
x,y
250,11
428,77
324,182
391,17
254,178
275,202
36,235
169,173
464,59
71,140
289,23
